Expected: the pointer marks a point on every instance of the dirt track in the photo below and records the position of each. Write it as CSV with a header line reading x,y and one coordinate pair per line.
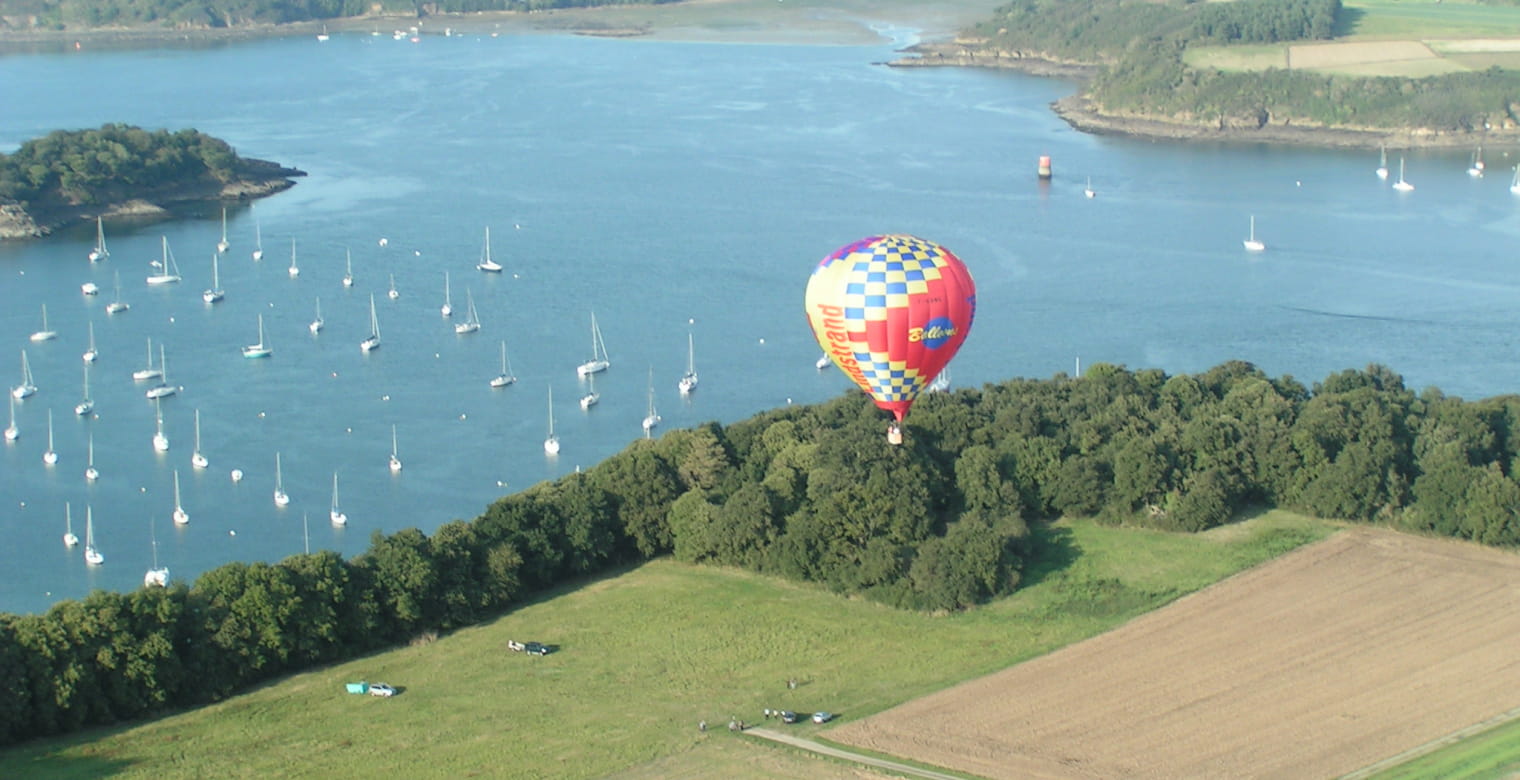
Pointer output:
x,y
1314,665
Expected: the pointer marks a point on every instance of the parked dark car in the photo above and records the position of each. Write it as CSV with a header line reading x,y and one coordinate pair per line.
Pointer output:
x,y
787,716
534,648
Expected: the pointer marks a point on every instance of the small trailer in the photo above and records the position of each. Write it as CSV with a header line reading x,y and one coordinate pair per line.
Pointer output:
x,y
358,687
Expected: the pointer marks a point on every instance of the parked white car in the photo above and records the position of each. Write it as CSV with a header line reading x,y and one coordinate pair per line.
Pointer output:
x,y
381,689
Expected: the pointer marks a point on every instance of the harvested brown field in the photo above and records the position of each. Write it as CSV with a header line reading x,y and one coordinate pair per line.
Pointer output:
x,y
1337,55
1313,665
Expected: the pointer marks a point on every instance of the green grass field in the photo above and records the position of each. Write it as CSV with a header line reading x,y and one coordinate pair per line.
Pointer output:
x,y
1444,25
1426,19
645,654
1491,755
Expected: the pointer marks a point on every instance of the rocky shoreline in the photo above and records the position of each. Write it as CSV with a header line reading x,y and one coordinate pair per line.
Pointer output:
x,y
1083,114
260,178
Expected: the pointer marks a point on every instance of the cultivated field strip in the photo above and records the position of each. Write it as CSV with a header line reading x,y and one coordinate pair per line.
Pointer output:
x,y
1314,665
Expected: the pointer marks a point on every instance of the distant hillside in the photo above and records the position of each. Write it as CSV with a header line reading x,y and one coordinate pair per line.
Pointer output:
x,y
72,174
179,14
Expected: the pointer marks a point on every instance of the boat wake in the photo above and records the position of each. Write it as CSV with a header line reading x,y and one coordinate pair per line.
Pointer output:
x,y
1344,315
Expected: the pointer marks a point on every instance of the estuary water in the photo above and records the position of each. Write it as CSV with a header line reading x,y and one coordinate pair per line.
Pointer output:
x,y
667,188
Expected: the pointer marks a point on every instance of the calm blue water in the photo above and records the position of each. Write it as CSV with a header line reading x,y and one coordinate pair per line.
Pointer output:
x,y
665,187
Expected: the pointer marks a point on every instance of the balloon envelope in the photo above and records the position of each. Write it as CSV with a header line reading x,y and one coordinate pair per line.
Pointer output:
x,y
890,311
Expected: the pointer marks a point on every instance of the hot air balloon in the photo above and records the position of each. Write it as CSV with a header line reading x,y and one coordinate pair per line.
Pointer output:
x,y
890,311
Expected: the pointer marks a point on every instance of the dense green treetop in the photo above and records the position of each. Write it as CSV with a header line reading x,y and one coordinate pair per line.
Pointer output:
x,y
112,163
813,493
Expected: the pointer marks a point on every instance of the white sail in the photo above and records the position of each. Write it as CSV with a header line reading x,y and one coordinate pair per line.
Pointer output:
x,y
598,361
688,381
261,349
92,556
486,263
551,443
181,517
168,271
373,341
280,497
336,515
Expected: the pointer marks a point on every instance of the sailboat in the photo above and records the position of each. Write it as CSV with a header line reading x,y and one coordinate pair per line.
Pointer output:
x,y
316,325
12,433
294,270
337,516
46,334
395,454
160,441
598,361
116,306
688,381
393,293
1250,242
99,252
181,517
91,353
591,397
822,362
26,388
348,267
941,381
214,293
1514,184
221,246
92,556
259,350
258,239
69,539
90,288
156,577
373,342
151,372
653,418
448,305
1401,185
163,389
1089,191
471,320
1382,169
1475,169
196,458
90,472
323,36
50,456
551,444
280,497
505,377
86,404
168,270
486,263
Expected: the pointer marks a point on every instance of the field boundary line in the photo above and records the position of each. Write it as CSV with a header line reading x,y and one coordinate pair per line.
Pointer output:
x,y
1433,745
849,755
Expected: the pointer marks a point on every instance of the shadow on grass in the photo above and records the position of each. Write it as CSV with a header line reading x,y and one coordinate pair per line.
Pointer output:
x,y
1347,20
1051,549
47,757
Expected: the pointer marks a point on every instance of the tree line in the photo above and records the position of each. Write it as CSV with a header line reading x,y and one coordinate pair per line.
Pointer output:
x,y
1141,47
85,14
110,163
812,493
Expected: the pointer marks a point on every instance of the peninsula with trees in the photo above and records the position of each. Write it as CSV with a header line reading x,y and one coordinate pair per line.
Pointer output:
x,y
1360,74
118,169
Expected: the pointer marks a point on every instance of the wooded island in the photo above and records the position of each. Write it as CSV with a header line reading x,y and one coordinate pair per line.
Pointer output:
x,y
118,169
